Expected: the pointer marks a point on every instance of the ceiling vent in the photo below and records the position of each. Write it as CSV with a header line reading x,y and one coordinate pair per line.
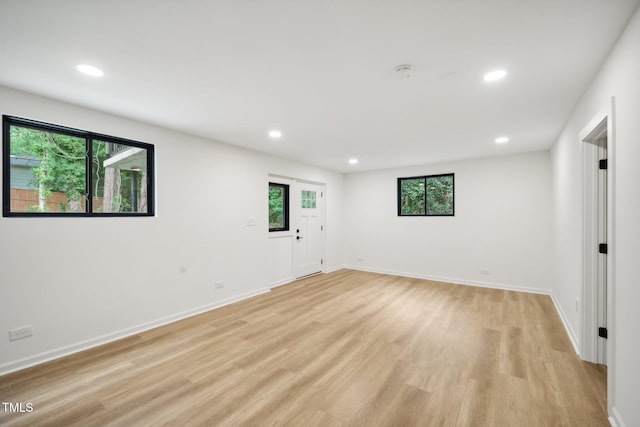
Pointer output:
x,y
403,72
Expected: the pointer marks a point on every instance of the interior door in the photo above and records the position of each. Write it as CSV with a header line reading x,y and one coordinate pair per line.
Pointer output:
x,y
307,229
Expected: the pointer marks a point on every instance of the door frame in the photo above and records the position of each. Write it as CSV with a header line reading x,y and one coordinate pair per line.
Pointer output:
x,y
295,212
601,125
286,269
590,138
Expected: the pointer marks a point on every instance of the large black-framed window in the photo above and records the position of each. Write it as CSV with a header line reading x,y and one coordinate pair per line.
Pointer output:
x,y
278,207
427,195
52,170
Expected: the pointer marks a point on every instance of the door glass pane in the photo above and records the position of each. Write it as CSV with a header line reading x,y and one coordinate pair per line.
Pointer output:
x,y
308,199
120,178
47,171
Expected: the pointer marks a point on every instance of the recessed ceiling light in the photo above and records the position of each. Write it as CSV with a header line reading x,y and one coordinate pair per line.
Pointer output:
x,y
353,161
494,75
502,140
275,133
90,70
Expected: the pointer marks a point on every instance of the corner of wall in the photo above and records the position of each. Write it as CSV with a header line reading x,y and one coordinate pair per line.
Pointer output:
x,y
615,419
565,321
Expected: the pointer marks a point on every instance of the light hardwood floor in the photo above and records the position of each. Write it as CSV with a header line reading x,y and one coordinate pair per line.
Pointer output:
x,y
341,349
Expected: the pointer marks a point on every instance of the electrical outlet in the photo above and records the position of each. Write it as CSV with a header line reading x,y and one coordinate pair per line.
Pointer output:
x,y
19,333
219,285
485,272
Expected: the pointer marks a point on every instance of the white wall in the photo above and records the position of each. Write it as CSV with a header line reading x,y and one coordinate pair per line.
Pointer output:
x,y
501,224
56,274
82,281
619,77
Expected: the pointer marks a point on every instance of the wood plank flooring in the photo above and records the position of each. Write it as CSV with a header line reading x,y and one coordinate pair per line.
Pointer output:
x,y
341,349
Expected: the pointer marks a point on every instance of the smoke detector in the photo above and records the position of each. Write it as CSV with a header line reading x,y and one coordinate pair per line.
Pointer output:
x,y
403,72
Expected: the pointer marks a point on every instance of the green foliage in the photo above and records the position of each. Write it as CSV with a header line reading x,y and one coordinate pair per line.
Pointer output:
x,y
276,207
440,195
412,196
437,189
121,199
61,159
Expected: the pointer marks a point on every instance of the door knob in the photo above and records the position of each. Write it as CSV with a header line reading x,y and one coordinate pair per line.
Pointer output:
x,y
298,237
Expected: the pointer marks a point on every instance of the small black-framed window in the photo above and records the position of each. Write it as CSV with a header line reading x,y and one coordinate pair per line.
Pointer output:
x,y
52,170
278,207
428,195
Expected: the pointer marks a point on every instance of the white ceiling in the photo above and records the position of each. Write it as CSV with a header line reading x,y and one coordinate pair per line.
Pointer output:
x,y
321,71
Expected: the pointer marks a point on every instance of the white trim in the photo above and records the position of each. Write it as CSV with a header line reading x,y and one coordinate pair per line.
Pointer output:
x,y
589,254
588,138
594,124
281,282
47,356
611,257
452,281
615,419
292,279
280,179
594,128
332,269
565,321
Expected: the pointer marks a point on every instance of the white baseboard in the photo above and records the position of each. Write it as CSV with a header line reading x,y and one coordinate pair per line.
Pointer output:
x,y
47,356
567,326
615,419
452,281
281,282
292,279
332,269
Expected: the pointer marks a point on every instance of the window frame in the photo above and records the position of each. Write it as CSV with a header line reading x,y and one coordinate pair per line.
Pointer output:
x,y
285,204
426,196
89,137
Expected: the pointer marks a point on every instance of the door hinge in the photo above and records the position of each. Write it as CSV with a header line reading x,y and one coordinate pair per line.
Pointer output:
x,y
321,261
603,164
602,332
602,248
321,194
322,228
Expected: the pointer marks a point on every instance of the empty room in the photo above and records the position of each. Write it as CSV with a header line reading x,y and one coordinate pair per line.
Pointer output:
x,y
320,213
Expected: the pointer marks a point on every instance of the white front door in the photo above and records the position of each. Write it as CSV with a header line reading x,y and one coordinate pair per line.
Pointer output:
x,y
307,228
